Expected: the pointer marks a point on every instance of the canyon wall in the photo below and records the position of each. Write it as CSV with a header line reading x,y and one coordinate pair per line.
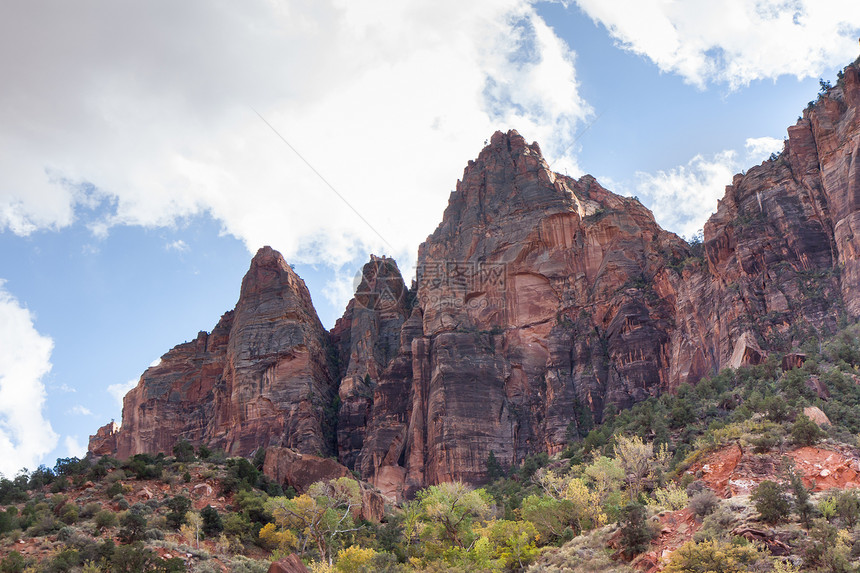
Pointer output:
x,y
540,299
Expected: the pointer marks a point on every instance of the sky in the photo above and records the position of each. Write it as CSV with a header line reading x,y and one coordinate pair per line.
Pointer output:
x,y
148,149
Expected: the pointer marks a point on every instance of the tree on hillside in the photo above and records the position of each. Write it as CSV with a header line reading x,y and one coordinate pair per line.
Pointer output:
x,y
183,451
802,505
771,501
805,432
606,474
322,515
584,510
449,510
639,461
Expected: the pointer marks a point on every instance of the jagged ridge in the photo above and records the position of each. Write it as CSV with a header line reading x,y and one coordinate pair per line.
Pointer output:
x,y
540,300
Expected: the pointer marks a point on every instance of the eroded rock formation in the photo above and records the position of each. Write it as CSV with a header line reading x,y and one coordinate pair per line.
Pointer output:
x,y
260,378
540,299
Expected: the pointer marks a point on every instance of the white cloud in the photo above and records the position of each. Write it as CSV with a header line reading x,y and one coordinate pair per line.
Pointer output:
x,y
65,388
760,148
734,41
74,447
118,391
79,410
156,114
178,245
684,197
25,435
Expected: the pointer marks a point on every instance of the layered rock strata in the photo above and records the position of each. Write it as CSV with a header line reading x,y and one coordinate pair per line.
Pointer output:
x,y
540,300
260,378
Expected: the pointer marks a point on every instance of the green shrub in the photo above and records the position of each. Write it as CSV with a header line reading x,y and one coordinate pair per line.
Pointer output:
x,y
133,526
90,509
8,519
717,525
183,451
60,484
65,560
13,563
713,557
704,502
69,514
848,506
764,443
114,489
771,501
178,506
636,532
105,518
805,432
212,524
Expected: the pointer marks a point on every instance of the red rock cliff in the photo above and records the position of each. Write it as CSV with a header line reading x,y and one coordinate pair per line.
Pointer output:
x,y
261,378
540,299
538,302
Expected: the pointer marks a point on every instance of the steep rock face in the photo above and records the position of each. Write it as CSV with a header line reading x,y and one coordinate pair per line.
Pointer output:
x,y
540,300
367,338
277,381
536,306
260,378
174,399
103,442
543,299
781,251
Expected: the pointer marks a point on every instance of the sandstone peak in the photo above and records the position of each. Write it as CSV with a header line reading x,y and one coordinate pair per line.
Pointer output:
x,y
269,270
540,300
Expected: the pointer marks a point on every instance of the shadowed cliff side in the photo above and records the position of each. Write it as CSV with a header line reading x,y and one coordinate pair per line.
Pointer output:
x,y
261,377
540,300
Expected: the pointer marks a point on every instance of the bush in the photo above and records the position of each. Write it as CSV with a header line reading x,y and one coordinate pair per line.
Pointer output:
x,y
848,506
771,501
636,532
696,486
354,559
212,525
716,525
242,564
8,520
60,484
178,506
805,432
65,534
153,534
704,502
764,443
183,451
777,409
713,557
104,519
65,560
133,526
69,514
671,497
13,563
114,489
90,509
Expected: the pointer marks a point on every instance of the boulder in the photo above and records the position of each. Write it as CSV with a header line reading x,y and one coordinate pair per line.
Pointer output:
x,y
289,564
